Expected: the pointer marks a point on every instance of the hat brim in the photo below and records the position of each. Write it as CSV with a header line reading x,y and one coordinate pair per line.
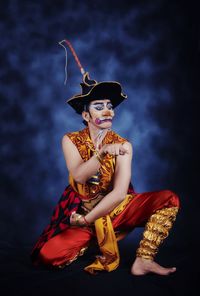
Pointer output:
x,y
110,90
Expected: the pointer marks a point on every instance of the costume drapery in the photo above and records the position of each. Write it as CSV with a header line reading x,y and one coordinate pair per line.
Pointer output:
x,y
83,197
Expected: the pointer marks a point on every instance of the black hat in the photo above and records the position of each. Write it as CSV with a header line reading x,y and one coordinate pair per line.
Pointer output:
x,y
93,90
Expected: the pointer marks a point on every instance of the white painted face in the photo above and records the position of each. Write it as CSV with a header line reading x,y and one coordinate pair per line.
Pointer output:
x,y
101,113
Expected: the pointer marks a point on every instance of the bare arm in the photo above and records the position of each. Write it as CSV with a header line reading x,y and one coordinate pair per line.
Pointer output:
x,y
80,170
121,182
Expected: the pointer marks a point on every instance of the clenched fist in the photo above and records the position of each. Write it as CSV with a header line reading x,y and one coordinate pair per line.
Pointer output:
x,y
113,149
77,220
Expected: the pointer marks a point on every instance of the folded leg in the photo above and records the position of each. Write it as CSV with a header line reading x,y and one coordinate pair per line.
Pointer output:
x,y
142,206
65,247
157,211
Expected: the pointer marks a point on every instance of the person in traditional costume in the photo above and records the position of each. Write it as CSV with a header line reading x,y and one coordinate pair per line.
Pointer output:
x,y
100,203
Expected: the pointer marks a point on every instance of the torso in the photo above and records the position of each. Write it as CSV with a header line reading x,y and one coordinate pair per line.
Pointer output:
x,y
100,184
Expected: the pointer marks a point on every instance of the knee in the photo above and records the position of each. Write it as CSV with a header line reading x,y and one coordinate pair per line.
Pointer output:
x,y
46,256
173,198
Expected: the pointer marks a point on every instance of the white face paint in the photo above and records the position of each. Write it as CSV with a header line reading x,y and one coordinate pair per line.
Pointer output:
x,y
101,112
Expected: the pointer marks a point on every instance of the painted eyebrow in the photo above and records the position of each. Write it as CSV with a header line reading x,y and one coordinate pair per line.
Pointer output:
x,y
100,103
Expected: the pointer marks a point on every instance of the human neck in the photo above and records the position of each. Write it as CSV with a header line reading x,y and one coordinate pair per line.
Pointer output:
x,y
97,134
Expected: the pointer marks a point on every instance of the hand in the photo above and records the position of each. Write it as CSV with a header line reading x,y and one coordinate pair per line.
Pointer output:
x,y
100,138
77,220
113,149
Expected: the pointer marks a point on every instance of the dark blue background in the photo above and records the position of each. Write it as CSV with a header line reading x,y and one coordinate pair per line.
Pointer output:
x,y
150,47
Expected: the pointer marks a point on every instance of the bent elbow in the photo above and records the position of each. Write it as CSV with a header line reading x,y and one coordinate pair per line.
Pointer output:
x,y
120,195
79,179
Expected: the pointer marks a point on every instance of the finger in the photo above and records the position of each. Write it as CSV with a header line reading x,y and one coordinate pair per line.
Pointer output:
x,y
109,150
105,149
71,220
124,150
72,217
113,151
116,152
121,150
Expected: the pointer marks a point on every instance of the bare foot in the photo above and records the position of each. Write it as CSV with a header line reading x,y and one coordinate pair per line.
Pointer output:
x,y
143,266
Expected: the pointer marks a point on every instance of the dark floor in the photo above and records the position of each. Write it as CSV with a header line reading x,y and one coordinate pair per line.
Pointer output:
x,y
18,277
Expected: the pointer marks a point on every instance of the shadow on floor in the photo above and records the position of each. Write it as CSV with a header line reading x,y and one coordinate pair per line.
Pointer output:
x,y
18,277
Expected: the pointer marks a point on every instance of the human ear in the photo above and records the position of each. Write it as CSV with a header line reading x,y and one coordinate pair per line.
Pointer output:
x,y
86,116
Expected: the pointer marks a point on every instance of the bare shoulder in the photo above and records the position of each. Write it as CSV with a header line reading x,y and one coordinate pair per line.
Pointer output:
x,y
67,143
66,139
71,153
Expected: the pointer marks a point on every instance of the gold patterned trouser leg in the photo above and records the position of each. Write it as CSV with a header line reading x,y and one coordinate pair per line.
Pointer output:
x,y
156,230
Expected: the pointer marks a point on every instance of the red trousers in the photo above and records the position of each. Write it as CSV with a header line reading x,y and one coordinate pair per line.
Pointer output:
x,y
65,247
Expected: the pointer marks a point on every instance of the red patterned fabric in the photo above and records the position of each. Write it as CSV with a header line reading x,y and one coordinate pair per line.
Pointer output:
x,y
60,220
69,202
65,247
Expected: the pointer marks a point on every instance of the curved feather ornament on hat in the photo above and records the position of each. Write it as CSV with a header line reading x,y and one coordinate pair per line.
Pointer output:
x,y
91,89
